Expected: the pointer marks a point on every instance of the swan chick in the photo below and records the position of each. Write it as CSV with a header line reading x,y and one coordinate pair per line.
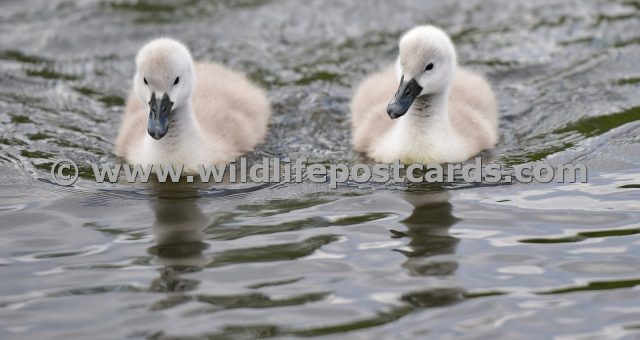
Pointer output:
x,y
439,113
186,113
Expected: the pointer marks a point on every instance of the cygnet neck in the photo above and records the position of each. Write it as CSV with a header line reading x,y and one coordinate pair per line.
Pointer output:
x,y
429,111
183,126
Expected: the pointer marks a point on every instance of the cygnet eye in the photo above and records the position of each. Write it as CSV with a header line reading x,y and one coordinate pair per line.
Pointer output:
x,y
145,81
175,82
429,67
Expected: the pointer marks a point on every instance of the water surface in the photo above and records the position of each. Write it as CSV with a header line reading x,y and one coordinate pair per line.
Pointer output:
x,y
294,260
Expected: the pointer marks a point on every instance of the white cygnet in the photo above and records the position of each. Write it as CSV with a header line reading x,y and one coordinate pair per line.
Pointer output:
x,y
183,113
440,113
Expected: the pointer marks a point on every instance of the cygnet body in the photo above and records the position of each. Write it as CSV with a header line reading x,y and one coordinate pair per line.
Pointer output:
x,y
183,113
440,113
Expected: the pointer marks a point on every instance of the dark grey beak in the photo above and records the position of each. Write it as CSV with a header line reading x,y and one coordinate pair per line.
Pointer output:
x,y
158,123
407,93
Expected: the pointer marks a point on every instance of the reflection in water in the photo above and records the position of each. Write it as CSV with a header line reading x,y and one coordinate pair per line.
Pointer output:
x,y
428,230
178,230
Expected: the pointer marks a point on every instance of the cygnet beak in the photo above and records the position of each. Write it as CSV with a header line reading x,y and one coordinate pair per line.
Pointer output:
x,y
158,123
401,102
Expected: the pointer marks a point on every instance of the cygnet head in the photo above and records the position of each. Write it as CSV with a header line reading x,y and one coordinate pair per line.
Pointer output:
x,y
428,61
164,79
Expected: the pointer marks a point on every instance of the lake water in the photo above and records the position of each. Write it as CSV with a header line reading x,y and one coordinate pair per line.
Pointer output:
x,y
104,261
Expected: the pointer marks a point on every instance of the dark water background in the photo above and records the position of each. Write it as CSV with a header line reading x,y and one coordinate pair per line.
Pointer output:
x,y
530,261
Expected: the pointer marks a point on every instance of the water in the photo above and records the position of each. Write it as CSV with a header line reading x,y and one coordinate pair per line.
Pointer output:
x,y
113,261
